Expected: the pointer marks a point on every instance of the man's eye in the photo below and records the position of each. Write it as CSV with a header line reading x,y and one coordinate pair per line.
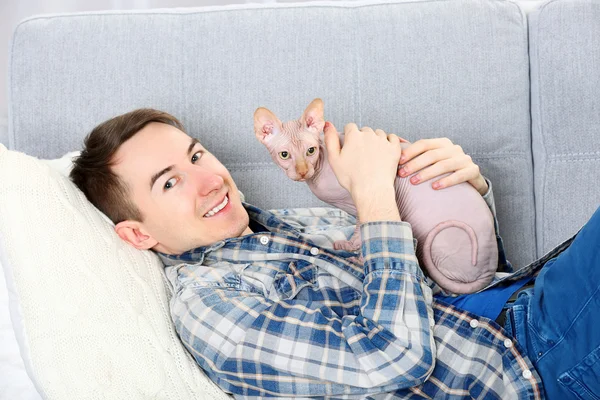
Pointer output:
x,y
196,157
170,183
284,155
311,151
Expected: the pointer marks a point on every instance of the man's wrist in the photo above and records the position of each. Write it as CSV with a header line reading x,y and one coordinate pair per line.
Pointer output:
x,y
377,204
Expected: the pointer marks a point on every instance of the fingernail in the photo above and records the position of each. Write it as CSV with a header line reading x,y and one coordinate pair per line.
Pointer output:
x,y
436,185
403,171
402,159
327,125
415,179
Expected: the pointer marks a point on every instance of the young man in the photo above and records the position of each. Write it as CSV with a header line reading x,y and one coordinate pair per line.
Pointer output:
x,y
268,308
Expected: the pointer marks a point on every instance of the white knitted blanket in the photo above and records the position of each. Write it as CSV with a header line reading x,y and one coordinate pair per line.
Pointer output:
x,y
92,313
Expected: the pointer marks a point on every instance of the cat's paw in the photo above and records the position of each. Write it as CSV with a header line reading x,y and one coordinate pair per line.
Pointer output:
x,y
357,260
348,245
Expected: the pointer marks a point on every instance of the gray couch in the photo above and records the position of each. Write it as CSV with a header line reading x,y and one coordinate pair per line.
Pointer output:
x,y
518,92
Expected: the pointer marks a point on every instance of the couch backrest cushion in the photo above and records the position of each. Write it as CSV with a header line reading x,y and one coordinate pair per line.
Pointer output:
x,y
419,69
565,104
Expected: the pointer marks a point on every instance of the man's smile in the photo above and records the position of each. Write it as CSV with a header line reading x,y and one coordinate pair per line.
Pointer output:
x,y
220,208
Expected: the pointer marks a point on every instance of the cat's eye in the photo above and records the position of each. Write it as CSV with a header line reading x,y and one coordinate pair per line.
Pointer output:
x,y
284,155
311,151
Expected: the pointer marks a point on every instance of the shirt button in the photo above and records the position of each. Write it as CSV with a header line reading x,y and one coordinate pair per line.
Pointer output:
x,y
264,239
527,374
314,251
474,323
508,343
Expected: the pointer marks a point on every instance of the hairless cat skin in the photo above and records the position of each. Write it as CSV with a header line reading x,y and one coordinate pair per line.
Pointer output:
x,y
454,227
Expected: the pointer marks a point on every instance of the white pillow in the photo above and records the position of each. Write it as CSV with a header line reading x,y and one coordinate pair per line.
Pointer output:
x,y
14,381
63,164
93,313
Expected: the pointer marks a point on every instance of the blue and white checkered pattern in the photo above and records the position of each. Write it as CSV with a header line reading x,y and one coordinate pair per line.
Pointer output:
x,y
281,314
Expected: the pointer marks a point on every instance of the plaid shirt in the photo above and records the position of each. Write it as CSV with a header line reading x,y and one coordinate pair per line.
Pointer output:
x,y
279,313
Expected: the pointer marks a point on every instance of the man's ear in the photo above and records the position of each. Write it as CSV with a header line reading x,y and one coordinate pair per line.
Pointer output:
x,y
133,233
313,119
266,124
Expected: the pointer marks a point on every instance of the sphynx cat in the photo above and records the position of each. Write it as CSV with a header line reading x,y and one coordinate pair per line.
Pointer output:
x,y
454,227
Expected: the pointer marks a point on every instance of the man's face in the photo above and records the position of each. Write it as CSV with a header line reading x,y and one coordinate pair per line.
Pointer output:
x,y
177,185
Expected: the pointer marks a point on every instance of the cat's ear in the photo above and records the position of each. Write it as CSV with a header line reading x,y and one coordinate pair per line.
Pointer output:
x,y
265,124
313,118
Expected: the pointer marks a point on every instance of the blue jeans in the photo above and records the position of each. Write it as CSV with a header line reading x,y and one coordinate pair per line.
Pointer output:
x,y
557,322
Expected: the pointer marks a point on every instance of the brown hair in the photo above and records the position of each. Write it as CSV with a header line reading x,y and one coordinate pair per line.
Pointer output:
x,y
92,171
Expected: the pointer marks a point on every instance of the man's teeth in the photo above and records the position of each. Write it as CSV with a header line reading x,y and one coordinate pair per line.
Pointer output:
x,y
217,208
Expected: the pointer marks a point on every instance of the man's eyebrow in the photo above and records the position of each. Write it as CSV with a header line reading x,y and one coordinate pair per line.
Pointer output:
x,y
155,177
158,175
192,144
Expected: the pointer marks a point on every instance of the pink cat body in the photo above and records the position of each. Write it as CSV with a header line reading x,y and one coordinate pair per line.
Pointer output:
x,y
454,227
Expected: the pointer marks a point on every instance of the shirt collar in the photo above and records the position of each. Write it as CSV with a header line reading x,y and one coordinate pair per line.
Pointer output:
x,y
263,217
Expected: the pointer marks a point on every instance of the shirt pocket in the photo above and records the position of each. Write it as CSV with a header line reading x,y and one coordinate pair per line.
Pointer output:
x,y
290,282
252,285
583,380
226,276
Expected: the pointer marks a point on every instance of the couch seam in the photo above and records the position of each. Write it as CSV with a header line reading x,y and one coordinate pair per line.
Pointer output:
x,y
531,142
542,202
555,161
269,165
591,153
542,212
357,102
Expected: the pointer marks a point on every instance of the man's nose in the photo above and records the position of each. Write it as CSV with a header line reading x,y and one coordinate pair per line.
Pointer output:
x,y
206,181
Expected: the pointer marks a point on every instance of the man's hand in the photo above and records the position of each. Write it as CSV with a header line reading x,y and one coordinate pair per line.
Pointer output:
x,y
435,157
366,166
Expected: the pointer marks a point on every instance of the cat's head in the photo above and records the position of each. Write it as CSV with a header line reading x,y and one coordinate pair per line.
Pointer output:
x,y
294,145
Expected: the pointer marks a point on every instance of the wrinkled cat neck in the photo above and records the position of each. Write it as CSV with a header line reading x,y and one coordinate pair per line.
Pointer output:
x,y
320,161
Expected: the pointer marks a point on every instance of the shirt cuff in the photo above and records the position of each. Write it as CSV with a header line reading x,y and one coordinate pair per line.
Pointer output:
x,y
389,245
489,197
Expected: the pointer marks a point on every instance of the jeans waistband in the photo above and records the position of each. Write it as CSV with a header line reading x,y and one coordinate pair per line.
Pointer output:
x,y
502,317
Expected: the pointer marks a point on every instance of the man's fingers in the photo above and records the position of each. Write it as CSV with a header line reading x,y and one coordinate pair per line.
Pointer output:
x,y
367,129
442,167
380,132
467,174
351,127
392,137
332,142
424,160
437,169
427,159
421,146
400,138
451,180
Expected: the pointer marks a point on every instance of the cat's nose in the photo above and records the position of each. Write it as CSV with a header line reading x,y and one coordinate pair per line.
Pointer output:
x,y
301,169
